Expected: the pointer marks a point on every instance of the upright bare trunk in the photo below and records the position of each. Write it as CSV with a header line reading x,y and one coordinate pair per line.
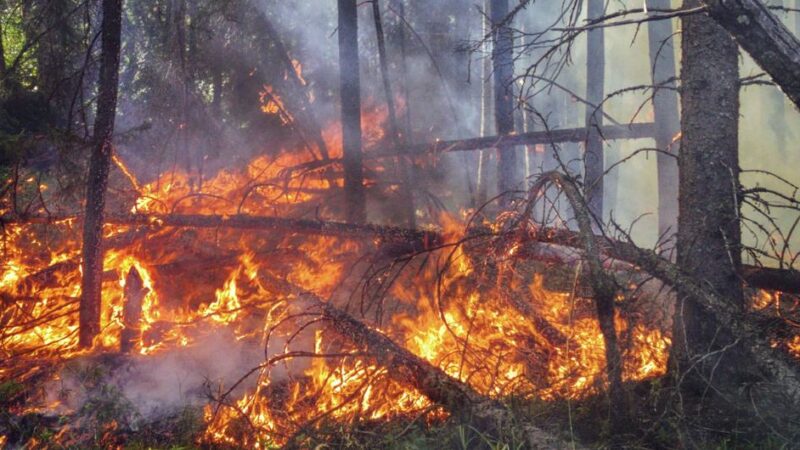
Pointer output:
x,y
406,193
97,182
509,174
595,82
708,241
666,117
351,112
482,191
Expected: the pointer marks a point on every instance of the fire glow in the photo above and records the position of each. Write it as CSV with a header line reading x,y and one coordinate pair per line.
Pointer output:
x,y
224,280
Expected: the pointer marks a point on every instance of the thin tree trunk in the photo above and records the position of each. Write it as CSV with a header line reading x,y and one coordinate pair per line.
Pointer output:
x,y
486,111
595,86
509,175
708,240
605,292
776,110
406,193
97,182
351,112
666,117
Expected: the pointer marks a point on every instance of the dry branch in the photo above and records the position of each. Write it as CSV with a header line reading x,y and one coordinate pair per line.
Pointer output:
x,y
399,241
406,368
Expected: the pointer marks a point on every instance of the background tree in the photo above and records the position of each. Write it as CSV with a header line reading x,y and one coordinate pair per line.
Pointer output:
x,y
351,111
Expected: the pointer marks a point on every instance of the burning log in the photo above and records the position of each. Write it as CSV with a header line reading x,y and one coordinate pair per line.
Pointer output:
x,y
134,294
406,368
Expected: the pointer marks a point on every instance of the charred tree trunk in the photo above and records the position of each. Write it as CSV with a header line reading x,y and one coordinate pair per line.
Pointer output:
x,y
666,117
99,165
509,175
351,112
595,82
762,35
708,241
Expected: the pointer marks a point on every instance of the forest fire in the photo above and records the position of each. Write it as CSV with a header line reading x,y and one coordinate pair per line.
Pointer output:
x,y
231,248
467,330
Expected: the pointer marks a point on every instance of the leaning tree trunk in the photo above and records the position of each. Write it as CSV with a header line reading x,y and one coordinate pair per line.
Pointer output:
x,y
99,165
762,35
509,175
708,241
351,111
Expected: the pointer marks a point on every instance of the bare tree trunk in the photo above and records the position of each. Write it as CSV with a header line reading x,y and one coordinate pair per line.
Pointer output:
x,y
97,182
776,110
351,112
486,111
509,175
762,35
708,241
406,193
666,117
595,86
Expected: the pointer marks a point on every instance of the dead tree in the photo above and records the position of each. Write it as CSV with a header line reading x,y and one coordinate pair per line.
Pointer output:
x,y
666,117
355,198
509,174
594,160
406,193
762,35
708,240
99,165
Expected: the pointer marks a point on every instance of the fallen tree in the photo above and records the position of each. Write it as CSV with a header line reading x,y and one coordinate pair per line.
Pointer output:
x,y
395,240
545,137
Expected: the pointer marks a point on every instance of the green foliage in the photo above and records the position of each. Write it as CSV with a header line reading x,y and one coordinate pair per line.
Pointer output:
x,y
15,41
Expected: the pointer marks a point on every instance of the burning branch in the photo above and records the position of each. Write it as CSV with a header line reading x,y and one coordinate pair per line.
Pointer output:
x,y
406,368
605,291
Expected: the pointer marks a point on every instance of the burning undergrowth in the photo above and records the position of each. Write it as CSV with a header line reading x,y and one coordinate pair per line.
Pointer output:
x,y
268,331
